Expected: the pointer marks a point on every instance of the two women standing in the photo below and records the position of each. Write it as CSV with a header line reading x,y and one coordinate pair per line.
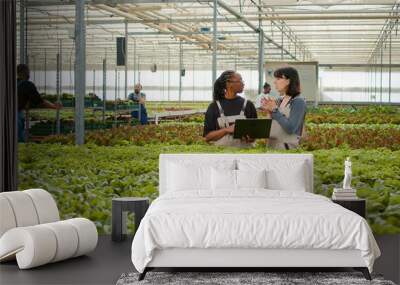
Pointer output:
x,y
287,113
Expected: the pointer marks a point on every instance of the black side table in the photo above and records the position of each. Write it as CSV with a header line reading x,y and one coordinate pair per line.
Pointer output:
x,y
120,207
358,206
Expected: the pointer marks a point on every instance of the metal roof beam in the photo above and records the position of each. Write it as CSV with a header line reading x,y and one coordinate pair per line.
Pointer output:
x,y
187,33
386,30
365,65
38,3
253,27
209,20
327,4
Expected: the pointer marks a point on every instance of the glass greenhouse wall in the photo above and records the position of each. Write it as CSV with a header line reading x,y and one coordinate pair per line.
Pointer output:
x,y
349,85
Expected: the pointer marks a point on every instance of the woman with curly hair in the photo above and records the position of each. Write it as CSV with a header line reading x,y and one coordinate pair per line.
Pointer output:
x,y
225,109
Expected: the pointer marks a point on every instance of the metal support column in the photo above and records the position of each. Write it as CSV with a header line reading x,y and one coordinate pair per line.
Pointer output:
x,y
138,68
58,85
260,54
163,81
119,84
126,60
71,83
282,44
169,78
260,61
318,95
193,76
33,68
22,35
180,71
370,82
115,96
375,72
214,50
390,65
134,61
104,89
61,67
58,91
381,88
94,82
80,71
45,72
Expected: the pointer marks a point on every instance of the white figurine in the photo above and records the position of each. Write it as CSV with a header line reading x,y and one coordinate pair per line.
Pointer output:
x,y
347,174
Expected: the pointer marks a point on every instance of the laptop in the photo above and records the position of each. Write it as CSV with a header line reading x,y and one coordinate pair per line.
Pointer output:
x,y
254,128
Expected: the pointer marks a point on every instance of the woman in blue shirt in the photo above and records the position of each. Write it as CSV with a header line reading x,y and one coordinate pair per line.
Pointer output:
x,y
288,112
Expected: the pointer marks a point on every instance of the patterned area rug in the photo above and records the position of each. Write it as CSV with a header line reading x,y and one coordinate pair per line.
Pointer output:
x,y
243,278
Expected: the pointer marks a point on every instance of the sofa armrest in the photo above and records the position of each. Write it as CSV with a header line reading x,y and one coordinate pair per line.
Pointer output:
x,y
40,244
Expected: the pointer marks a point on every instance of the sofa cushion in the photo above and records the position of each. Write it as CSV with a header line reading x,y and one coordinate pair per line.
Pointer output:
x,y
40,244
46,207
7,220
23,208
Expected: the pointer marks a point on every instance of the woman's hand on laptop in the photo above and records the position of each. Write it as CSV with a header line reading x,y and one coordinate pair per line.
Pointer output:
x,y
248,139
230,129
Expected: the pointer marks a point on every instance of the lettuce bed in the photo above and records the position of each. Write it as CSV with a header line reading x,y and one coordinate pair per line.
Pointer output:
x,y
83,180
321,136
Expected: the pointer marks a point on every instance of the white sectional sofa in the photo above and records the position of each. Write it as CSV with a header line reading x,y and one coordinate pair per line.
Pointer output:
x,y
31,231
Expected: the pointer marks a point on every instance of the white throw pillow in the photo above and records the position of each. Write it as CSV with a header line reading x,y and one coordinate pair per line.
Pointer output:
x,y
183,177
291,180
282,174
186,175
251,178
223,179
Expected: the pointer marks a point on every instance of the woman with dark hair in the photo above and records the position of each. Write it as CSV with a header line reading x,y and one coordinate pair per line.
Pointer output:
x,y
226,107
288,112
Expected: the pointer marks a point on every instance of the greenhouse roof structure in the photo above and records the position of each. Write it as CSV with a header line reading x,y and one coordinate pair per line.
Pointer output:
x,y
331,32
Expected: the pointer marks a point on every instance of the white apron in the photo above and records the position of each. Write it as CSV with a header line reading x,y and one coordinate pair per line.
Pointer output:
x,y
279,138
226,121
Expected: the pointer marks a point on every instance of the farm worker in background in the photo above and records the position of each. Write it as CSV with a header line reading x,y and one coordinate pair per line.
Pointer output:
x,y
28,96
140,98
265,95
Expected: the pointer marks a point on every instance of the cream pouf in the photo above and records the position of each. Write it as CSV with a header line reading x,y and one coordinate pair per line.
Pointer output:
x,y
31,230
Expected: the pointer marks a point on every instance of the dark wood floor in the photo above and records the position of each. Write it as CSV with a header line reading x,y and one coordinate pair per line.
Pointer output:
x,y
102,266
110,259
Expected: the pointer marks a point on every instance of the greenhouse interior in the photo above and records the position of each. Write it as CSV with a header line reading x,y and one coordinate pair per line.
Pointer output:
x,y
200,142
